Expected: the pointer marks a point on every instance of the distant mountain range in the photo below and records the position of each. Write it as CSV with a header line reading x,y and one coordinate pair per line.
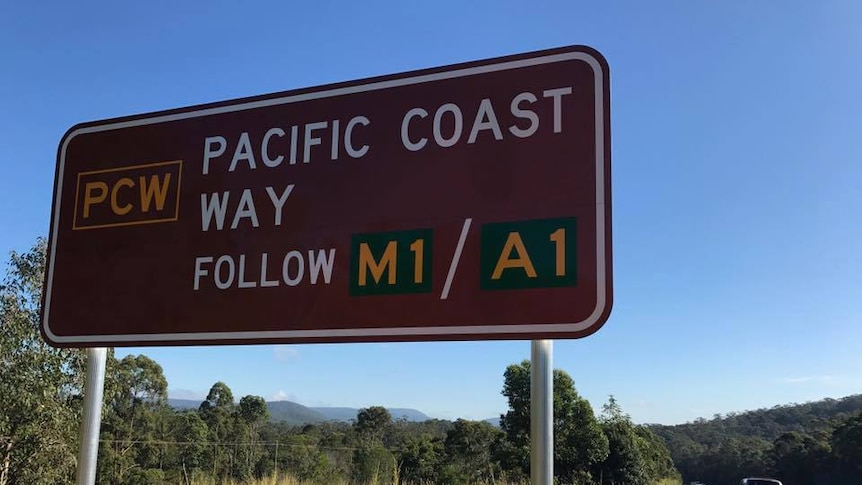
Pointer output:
x,y
294,413
493,421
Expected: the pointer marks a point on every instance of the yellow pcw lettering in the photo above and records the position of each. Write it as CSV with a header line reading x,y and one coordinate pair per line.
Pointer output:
x,y
123,182
91,198
156,189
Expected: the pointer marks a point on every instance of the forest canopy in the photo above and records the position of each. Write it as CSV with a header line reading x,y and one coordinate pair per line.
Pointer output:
x,y
228,438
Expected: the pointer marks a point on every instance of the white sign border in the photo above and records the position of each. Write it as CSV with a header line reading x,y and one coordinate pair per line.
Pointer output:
x,y
391,332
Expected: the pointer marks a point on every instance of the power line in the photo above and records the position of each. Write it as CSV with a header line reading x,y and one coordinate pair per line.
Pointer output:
x,y
220,443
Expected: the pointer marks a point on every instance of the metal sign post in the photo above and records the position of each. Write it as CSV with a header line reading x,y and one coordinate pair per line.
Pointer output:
x,y
94,388
541,413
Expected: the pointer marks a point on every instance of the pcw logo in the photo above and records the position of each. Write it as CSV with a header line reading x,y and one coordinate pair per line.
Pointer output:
x,y
124,196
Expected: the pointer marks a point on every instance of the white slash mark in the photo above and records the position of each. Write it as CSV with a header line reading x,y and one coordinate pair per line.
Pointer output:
x,y
456,258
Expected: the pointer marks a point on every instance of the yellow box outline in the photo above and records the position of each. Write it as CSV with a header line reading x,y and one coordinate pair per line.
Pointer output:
x,y
176,217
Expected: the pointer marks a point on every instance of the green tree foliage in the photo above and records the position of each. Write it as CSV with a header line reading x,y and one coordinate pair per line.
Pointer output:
x,y
220,398
636,455
735,458
421,459
800,458
579,444
624,463
40,386
248,418
768,424
233,432
319,453
658,463
846,444
252,410
373,464
134,402
795,442
372,423
223,441
371,460
190,432
216,411
468,447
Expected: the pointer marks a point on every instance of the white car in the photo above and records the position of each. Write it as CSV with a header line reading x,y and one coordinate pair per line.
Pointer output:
x,y
760,481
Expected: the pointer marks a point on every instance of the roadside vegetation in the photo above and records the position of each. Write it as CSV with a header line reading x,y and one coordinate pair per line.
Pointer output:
x,y
803,444
233,441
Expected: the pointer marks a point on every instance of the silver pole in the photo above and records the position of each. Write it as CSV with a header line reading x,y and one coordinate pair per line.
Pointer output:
x,y
94,389
541,413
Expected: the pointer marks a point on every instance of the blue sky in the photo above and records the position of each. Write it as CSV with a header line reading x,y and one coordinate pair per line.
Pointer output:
x,y
736,182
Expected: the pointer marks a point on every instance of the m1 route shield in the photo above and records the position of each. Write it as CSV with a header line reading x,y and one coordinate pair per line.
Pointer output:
x,y
467,202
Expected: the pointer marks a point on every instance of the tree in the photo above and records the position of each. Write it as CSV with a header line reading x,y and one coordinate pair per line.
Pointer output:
x,y
659,464
624,463
40,386
373,464
135,393
217,412
253,410
733,457
636,454
579,444
740,444
371,460
421,459
515,452
250,416
220,397
372,422
191,432
468,449
847,446
799,457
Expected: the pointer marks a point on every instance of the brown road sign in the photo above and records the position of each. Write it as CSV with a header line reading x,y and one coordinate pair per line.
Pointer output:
x,y
467,202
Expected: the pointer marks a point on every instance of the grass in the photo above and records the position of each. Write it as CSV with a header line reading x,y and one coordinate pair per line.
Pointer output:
x,y
289,480
271,480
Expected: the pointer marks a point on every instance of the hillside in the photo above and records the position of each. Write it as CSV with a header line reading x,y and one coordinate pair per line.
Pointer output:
x,y
495,422
408,414
184,403
767,424
295,413
347,414
796,442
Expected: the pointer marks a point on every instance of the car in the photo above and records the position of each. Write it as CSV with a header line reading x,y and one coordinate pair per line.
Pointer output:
x,y
760,481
